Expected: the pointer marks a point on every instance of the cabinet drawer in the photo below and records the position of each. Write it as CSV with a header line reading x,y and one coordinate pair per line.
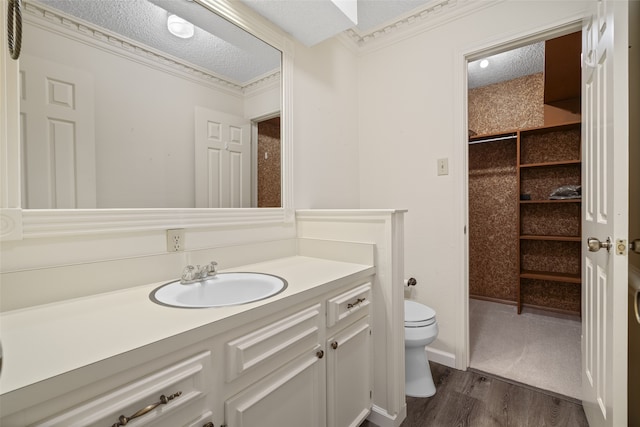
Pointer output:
x,y
185,383
274,344
352,304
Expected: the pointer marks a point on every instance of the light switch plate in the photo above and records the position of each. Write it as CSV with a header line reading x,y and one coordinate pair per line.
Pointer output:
x,y
443,166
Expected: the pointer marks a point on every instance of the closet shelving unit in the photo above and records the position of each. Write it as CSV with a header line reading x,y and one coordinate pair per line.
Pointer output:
x,y
549,236
550,230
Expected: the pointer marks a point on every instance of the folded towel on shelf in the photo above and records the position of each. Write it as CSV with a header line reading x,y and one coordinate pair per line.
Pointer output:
x,y
566,192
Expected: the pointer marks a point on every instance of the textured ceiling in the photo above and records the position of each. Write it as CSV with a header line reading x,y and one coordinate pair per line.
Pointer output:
x,y
508,65
375,13
313,21
227,51
217,45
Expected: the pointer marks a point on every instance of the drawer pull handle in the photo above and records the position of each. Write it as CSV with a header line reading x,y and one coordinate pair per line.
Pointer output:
x,y
358,302
320,354
209,424
334,345
163,401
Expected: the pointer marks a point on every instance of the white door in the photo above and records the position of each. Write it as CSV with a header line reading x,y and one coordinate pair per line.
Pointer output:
x,y
57,131
605,213
223,160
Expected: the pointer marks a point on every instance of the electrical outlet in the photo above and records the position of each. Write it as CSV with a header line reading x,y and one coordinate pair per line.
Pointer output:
x,y
175,240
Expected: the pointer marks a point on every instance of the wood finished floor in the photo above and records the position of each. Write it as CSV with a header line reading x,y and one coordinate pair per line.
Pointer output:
x,y
475,400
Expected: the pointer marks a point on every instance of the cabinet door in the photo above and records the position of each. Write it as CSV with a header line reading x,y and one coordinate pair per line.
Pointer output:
x,y
349,375
291,396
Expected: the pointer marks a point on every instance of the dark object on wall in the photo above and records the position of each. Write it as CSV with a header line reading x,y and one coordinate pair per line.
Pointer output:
x,y
14,27
525,196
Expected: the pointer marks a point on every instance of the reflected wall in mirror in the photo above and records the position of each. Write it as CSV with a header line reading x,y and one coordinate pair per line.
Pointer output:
x,y
116,112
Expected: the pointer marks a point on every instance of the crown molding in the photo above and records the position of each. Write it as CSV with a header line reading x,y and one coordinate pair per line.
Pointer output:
x,y
262,83
433,15
85,32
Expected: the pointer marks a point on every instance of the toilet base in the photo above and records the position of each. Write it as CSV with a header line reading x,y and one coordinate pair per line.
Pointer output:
x,y
418,379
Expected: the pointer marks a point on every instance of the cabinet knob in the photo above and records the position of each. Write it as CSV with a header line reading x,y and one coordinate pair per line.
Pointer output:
x,y
320,354
334,345
209,424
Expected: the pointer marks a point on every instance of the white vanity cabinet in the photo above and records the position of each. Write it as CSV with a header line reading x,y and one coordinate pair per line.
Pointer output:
x,y
291,396
349,357
312,368
304,361
279,372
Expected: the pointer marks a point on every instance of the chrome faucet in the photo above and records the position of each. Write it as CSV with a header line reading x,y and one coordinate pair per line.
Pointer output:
x,y
191,274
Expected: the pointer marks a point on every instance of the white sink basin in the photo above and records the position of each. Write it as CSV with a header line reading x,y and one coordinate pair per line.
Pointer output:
x,y
220,290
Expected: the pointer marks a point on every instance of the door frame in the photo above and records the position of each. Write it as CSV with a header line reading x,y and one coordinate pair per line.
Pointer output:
x,y
476,51
254,152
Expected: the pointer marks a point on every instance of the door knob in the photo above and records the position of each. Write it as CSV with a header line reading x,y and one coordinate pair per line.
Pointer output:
x,y
635,246
595,244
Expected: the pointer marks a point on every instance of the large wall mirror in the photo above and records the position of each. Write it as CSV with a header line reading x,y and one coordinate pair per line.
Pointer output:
x,y
118,112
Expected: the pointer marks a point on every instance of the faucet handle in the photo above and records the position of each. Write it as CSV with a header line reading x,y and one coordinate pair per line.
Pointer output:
x,y
212,268
188,274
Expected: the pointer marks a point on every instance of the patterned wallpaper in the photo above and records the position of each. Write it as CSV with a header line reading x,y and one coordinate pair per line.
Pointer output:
x,y
493,229
515,104
269,190
493,199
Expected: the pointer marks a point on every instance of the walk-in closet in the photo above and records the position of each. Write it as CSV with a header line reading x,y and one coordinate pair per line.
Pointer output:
x,y
524,205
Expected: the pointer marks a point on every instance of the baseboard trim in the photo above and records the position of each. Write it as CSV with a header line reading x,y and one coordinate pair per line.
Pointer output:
x,y
442,357
382,418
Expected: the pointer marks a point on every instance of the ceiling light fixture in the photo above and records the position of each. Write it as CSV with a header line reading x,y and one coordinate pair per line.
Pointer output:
x,y
179,27
484,63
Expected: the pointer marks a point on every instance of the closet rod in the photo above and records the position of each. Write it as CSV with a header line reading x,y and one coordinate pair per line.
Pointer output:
x,y
497,138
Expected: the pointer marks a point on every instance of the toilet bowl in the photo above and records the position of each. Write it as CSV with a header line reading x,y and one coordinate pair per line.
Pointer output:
x,y
420,329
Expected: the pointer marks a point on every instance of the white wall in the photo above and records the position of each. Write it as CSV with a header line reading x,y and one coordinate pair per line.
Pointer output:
x,y
410,98
325,132
265,101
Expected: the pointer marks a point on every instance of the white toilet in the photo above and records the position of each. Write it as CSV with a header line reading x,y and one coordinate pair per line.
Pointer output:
x,y
420,329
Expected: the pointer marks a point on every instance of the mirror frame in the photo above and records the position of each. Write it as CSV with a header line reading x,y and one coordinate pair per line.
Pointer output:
x,y
17,223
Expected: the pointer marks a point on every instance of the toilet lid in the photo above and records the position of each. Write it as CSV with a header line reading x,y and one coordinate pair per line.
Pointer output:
x,y
416,314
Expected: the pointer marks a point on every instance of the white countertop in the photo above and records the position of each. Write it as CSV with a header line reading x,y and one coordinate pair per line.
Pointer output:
x,y
48,340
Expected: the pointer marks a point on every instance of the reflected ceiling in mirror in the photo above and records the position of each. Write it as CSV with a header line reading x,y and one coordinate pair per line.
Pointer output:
x,y
119,113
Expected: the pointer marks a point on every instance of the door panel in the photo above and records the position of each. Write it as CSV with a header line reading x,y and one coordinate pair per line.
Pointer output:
x,y
57,104
291,396
605,213
349,373
223,160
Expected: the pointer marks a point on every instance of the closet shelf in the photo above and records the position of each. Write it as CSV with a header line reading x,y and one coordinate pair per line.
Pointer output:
x,y
551,276
525,202
573,124
551,164
551,238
